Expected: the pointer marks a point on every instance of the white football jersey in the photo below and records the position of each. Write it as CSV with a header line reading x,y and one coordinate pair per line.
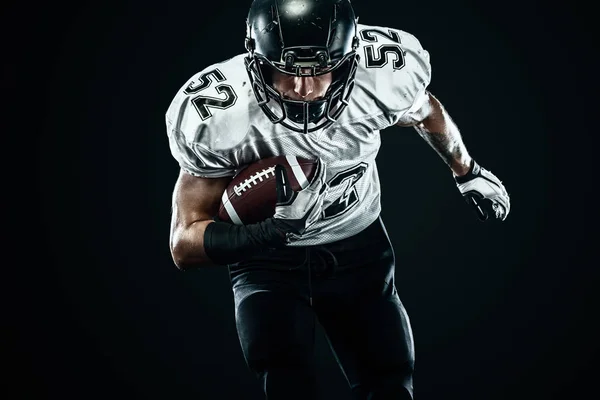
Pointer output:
x,y
215,127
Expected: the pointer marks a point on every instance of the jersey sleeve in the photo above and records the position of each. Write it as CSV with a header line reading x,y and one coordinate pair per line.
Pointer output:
x,y
412,85
195,159
202,147
395,70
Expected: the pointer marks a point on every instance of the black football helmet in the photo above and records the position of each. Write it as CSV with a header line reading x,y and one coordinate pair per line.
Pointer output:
x,y
302,38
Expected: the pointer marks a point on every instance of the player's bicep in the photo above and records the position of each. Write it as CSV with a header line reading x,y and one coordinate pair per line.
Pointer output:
x,y
196,199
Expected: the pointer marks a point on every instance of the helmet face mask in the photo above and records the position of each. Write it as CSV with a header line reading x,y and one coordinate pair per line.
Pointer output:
x,y
322,39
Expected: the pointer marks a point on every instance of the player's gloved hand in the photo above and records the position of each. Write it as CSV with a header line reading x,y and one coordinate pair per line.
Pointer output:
x,y
296,211
485,192
226,243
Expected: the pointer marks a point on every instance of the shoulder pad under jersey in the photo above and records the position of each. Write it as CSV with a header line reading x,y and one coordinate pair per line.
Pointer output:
x,y
208,117
394,71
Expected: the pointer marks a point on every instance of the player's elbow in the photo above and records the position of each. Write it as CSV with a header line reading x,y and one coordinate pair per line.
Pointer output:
x,y
181,262
185,259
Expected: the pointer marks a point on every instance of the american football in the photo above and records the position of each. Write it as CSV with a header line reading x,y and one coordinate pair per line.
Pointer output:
x,y
251,195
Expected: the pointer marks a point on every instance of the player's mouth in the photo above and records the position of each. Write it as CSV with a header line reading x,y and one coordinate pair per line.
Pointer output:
x,y
298,98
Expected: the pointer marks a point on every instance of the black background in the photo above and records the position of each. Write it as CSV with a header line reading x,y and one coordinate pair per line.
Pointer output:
x,y
499,311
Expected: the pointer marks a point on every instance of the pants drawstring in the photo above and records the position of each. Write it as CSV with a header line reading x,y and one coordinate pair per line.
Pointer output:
x,y
326,265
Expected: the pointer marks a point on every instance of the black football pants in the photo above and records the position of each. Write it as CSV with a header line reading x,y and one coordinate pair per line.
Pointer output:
x,y
349,286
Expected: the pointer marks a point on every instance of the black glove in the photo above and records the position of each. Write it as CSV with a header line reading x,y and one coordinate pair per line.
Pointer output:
x,y
482,190
226,243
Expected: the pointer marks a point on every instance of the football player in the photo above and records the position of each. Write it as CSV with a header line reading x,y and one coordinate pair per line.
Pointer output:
x,y
313,83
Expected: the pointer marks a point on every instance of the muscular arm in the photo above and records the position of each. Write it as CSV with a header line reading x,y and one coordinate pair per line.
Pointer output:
x,y
195,202
434,125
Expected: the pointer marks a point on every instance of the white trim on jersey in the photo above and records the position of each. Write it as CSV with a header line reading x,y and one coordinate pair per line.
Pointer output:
x,y
298,172
235,218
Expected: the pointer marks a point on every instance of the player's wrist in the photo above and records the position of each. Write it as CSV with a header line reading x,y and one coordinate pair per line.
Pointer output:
x,y
226,243
471,173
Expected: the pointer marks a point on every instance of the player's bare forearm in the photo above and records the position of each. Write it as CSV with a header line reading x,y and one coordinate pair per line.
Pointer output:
x,y
444,137
195,202
442,134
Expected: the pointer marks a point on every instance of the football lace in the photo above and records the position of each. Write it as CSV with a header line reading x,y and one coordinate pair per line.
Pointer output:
x,y
253,180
